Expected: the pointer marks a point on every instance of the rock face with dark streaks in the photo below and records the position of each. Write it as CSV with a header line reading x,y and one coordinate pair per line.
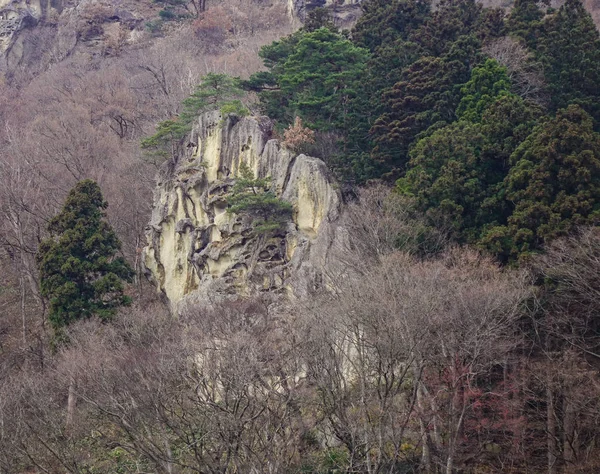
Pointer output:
x,y
197,249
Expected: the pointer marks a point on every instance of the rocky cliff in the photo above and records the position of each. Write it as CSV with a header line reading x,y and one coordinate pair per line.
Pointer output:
x,y
197,249
16,15
36,33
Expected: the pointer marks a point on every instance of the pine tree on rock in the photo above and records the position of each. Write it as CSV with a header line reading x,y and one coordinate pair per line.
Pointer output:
x,y
79,272
311,75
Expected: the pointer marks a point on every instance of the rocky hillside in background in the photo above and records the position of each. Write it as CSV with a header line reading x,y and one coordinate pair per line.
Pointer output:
x,y
34,34
50,31
197,249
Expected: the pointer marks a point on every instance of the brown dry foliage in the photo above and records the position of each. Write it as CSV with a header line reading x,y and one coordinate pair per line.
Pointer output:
x,y
297,136
212,28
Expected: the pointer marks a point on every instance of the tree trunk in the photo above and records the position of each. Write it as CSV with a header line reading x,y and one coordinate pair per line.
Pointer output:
x,y
570,436
71,404
426,451
551,429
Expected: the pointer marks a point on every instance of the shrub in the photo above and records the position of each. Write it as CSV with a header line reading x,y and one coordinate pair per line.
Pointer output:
x,y
167,15
297,136
252,196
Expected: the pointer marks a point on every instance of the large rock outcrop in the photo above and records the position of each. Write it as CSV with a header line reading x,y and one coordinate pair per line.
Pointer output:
x,y
197,249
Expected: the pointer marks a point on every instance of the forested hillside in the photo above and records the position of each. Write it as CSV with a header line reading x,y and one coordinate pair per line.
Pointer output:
x,y
453,325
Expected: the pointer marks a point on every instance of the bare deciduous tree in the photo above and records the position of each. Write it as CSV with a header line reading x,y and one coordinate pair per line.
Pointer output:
x,y
526,75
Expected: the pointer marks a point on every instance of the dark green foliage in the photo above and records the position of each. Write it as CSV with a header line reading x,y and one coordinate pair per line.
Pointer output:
x,y
273,101
79,272
316,74
164,143
524,21
428,93
383,71
252,196
384,28
384,22
235,107
214,91
506,124
444,176
457,173
321,76
428,90
554,183
567,45
454,19
488,83
569,50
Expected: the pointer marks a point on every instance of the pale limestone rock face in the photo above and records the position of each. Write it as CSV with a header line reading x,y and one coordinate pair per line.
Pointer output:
x,y
196,249
14,15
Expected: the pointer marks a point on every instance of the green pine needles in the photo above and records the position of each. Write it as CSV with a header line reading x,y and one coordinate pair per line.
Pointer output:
x,y
215,92
79,272
253,197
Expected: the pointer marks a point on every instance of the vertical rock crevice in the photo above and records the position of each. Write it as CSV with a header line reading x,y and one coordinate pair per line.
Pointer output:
x,y
196,249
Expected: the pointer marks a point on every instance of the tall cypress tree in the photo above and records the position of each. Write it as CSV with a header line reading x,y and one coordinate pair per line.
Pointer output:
x,y
554,183
524,21
427,95
569,50
384,22
79,272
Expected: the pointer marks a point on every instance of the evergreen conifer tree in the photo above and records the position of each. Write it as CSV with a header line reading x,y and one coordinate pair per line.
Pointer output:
x,y
79,272
569,50
215,91
312,75
253,196
554,183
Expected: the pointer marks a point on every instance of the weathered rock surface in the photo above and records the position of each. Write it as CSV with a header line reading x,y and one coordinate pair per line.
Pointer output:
x,y
346,12
36,33
196,249
14,16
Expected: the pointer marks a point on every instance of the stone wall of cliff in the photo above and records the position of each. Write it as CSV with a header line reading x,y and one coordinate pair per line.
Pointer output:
x,y
196,249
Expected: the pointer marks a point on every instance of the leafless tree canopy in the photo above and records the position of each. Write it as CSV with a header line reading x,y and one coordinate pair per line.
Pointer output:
x,y
417,357
525,75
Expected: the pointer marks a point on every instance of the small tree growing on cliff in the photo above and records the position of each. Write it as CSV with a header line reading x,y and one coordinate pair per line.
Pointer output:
x,y
78,270
252,196
215,91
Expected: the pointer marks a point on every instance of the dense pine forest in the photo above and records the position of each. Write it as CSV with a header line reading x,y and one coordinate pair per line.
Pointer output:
x,y
458,332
